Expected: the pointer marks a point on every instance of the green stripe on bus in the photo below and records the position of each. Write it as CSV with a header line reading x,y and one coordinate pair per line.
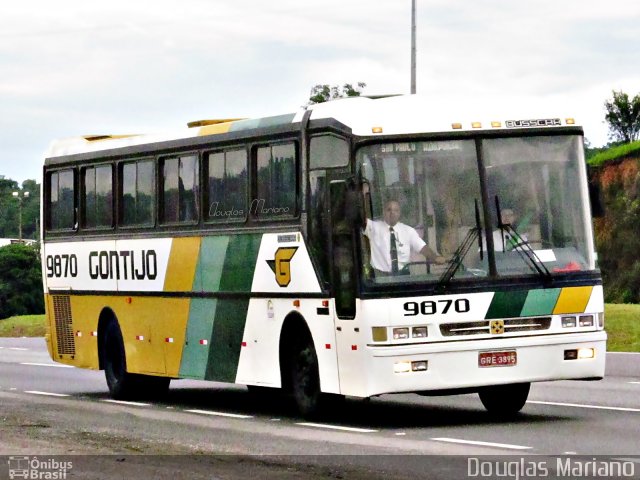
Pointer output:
x,y
213,251
507,304
228,329
231,314
240,263
198,338
540,302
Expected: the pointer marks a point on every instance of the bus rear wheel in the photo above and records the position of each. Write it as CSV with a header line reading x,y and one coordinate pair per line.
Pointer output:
x,y
122,384
504,400
119,381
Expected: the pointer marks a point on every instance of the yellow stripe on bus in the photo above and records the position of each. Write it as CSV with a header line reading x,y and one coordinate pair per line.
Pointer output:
x,y
183,260
573,300
214,129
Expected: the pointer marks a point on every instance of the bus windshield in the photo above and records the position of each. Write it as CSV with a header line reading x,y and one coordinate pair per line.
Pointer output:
x,y
426,220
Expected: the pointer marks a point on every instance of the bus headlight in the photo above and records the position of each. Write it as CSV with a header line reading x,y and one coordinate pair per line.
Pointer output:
x,y
586,320
402,367
419,332
568,322
586,353
401,333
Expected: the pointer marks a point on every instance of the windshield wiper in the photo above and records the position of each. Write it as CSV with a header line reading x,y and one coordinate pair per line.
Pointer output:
x,y
528,255
462,250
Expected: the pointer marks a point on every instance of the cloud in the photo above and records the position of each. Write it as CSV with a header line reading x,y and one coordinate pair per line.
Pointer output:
x,y
71,67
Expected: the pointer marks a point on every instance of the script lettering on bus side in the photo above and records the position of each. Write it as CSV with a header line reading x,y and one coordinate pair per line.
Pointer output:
x,y
123,265
432,307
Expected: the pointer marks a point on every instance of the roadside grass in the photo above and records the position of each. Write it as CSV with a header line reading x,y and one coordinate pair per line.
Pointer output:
x,y
622,323
22,326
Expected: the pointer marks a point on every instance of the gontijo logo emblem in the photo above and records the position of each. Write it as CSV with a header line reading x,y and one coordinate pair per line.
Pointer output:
x,y
281,265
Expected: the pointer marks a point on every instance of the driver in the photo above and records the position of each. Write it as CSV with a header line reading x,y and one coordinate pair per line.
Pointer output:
x,y
393,242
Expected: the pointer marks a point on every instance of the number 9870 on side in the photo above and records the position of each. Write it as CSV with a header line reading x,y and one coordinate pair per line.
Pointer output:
x,y
62,265
433,307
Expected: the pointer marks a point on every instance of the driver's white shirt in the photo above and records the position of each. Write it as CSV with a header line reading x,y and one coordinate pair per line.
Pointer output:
x,y
407,241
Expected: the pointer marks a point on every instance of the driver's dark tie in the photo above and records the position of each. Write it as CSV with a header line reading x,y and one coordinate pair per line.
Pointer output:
x,y
393,252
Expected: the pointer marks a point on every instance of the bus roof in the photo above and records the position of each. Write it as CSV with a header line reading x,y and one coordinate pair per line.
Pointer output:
x,y
392,115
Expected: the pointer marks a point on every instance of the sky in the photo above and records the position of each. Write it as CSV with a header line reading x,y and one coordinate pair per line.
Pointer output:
x,y
78,67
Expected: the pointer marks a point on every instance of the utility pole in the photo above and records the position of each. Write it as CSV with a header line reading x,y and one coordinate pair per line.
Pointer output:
x,y
413,47
25,194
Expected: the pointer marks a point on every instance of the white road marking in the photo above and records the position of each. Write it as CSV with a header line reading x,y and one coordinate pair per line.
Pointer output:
x,y
58,365
18,348
638,383
482,444
400,434
337,427
36,392
219,414
123,402
595,407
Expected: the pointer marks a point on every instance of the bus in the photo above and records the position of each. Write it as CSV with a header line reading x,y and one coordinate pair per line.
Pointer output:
x,y
236,251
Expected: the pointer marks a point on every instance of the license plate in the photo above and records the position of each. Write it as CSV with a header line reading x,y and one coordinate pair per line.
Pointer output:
x,y
497,359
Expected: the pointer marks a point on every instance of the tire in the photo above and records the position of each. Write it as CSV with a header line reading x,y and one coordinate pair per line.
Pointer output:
x,y
119,381
122,384
305,379
504,400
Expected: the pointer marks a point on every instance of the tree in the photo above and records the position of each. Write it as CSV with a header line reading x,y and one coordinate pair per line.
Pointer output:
x,y
623,117
324,93
20,281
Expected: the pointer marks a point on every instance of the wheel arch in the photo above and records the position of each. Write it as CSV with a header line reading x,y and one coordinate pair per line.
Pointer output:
x,y
294,329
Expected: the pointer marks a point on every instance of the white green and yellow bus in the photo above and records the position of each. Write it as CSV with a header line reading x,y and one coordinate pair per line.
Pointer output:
x,y
234,251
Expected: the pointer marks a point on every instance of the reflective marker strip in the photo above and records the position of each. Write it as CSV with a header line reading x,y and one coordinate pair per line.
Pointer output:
x,y
168,340
204,342
219,414
482,444
596,407
337,427
139,337
36,392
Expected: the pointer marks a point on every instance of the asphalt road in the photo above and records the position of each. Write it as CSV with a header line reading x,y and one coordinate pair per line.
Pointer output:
x,y
47,408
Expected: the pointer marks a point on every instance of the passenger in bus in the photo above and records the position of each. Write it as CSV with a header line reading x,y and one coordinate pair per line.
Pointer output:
x,y
507,240
393,242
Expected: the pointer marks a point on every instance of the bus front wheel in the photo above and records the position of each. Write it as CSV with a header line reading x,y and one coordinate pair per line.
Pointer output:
x,y
305,378
504,400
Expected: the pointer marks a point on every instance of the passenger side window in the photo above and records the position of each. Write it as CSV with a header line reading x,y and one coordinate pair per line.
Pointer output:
x,y
180,190
138,193
277,181
227,186
97,196
62,203
328,151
